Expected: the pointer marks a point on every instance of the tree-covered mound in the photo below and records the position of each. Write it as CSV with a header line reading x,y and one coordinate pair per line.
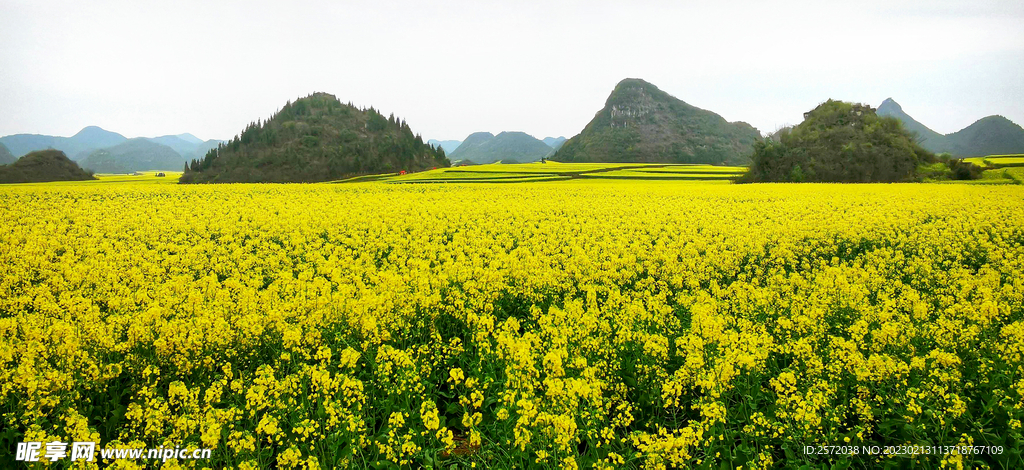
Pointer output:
x,y
840,142
42,166
316,138
642,124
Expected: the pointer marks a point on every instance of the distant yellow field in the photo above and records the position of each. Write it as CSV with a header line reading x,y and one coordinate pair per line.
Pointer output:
x,y
143,177
146,177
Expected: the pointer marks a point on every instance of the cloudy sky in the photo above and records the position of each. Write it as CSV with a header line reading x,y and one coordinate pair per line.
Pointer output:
x,y
452,68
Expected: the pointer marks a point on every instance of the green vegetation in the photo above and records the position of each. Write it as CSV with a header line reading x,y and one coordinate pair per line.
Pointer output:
x,y
777,135
642,124
133,155
1009,175
840,142
519,147
989,135
1016,174
42,166
5,156
316,138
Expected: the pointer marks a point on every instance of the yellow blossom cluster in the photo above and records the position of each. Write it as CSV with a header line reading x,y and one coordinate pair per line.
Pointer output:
x,y
560,325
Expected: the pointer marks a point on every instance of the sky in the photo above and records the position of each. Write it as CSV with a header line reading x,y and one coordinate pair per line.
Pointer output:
x,y
451,68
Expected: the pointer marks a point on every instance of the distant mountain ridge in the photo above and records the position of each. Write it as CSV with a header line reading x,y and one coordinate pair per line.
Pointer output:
x,y
189,138
449,146
6,157
138,154
990,135
86,140
890,107
642,124
484,147
93,138
181,146
554,142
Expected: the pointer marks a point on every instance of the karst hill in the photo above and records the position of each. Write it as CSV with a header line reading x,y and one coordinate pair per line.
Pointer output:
x,y
642,124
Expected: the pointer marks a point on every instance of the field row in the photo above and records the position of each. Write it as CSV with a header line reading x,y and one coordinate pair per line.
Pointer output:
x,y
997,160
553,171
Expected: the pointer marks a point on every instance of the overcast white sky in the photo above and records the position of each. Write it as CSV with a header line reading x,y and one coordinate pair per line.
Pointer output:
x,y
146,68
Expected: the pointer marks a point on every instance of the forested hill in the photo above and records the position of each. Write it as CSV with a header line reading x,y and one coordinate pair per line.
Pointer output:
x,y
42,166
640,123
316,138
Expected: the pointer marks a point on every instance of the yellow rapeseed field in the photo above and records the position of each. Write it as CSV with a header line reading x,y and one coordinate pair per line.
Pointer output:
x,y
572,324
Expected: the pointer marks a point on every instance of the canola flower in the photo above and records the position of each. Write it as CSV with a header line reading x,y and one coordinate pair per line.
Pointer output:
x,y
565,325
